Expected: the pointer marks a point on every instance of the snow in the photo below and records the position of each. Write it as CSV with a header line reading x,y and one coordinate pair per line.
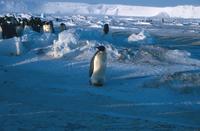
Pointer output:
x,y
162,15
152,76
185,11
11,47
67,42
62,8
136,37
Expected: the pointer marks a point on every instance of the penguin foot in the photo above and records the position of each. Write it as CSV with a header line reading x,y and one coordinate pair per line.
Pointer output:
x,y
95,84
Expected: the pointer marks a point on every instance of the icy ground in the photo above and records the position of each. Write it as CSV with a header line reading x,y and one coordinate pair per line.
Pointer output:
x,y
153,76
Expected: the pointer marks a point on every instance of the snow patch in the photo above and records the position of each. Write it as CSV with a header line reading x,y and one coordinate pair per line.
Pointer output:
x,y
136,37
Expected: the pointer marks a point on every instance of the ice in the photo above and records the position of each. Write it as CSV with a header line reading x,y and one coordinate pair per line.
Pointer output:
x,y
182,11
162,15
136,37
62,8
70,45
142,23
67,41
25,15
11,47
152,75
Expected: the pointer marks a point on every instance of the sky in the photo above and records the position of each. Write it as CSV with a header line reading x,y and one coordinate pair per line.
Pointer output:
x,y
158,3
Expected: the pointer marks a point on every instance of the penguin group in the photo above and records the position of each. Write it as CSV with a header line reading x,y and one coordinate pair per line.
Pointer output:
x,y
11,26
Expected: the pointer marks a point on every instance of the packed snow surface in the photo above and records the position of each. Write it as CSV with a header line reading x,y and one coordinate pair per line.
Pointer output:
x,y
152,76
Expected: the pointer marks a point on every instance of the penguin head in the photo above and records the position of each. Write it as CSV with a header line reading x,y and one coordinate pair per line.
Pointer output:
x,y
101,48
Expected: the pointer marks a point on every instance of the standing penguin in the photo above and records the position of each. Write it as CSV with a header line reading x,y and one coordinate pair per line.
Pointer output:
x,y
1,32
106,29
47,27
98,67
62,27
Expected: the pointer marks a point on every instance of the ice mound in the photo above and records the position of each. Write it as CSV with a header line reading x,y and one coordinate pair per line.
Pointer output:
x,y
67,42
136,37
156,55
75,44
185,81
162,15
69,45
13,46
177,56
32,39
113,53
46,39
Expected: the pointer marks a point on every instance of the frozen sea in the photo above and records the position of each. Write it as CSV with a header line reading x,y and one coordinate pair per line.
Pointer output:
x,y
152,76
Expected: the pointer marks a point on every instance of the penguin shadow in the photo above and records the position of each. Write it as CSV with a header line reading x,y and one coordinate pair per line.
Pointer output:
x,y
124,78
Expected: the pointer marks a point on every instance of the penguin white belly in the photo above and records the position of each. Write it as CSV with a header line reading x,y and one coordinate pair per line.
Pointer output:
x,y
47,28
98,76
1,33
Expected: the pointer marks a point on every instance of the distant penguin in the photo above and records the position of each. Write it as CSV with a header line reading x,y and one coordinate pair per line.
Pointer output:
x,y
19,30
98,67
163,20
106,29
52,26
1,32
47,28
62,27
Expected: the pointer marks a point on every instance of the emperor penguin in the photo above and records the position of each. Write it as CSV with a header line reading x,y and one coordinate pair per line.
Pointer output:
x,y
47,27
19,30
98,67
106,28
62,27
1,32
